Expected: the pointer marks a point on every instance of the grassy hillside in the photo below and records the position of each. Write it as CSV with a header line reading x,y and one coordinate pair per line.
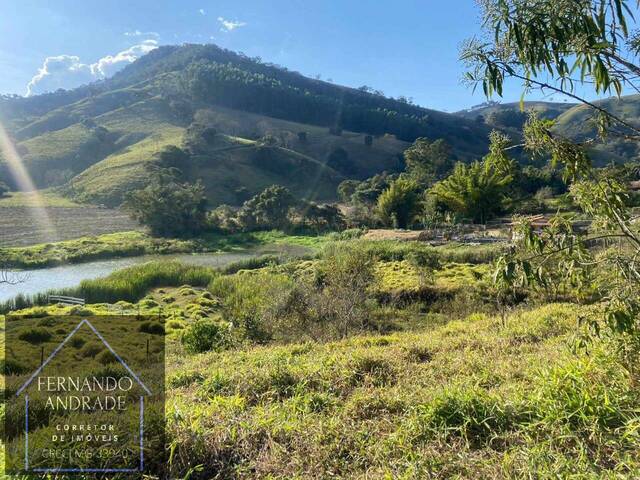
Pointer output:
x,y
544,109
97,140
439,389
573,121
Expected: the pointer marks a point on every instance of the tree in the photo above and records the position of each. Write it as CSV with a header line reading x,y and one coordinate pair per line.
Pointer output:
x,y
167,207
338,159
558,46
346,189
399,205
428,161
475,191
269,209
322,217
173,157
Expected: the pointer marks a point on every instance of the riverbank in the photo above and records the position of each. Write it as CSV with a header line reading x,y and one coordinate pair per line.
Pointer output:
x,y
132,244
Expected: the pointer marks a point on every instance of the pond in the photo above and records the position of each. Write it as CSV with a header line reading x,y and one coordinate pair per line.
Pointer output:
x,y
42,280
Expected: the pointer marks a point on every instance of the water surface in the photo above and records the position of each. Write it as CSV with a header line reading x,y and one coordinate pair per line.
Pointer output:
x,y
42,280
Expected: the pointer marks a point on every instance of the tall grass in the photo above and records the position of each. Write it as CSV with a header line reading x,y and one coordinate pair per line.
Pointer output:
x,y
390,250
129,284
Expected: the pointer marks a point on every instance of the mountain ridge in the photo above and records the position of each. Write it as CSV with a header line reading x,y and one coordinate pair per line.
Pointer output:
x,y
96,142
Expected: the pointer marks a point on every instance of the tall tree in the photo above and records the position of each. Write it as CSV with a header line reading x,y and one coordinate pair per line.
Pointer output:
x,y
475,191
427,161
168,207
269,209
399,205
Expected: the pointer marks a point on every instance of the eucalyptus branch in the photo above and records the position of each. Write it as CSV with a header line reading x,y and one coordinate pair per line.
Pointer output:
x,y
544,85
583,241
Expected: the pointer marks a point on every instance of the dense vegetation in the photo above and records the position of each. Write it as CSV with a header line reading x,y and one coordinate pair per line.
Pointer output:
x,y
371,358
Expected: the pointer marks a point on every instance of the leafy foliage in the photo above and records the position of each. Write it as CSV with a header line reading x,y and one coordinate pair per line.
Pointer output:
x,y
427,161
399,205
558,39
169,208
267,210
475,191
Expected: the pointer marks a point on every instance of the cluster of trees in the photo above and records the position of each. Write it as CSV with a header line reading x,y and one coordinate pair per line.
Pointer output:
x,y
435,187
240,88
173,208
169,207
276,208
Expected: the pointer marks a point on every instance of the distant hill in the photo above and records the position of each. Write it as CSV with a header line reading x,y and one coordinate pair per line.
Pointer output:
x,y
572,120
96,142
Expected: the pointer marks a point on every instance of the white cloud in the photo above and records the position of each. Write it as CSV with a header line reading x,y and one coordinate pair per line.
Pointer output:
x,y
138,33
67,71
230,25
202,12
107,66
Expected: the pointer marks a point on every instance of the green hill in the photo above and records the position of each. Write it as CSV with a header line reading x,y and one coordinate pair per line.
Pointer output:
x,y
96,142
572,121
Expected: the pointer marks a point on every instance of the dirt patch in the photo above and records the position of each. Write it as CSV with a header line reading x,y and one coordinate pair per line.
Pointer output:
x,y
18,227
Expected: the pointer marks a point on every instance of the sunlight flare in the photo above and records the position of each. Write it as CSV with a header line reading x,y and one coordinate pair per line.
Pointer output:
x,y
24,183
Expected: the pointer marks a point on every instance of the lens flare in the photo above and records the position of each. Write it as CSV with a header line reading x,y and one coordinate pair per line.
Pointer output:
x,y
23,180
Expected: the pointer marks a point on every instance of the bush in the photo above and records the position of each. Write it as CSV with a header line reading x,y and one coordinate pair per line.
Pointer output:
x,y
153,328
175,325
106,357
35,335
247,299
91,350
203,336
252,263
11,367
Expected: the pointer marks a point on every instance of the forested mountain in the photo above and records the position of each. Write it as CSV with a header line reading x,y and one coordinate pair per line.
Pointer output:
x,y
271,125
262,124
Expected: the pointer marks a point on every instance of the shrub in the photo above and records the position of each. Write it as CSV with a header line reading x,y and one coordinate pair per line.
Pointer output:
x,y
35,335
77,342
246,301
106,357
91,349
203,336
153,328
12,367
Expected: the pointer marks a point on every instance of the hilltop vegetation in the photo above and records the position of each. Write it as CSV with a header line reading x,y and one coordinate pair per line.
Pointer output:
x,y
95,142
573,121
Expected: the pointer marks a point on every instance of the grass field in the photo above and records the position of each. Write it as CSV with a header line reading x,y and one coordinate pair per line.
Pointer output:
x,y
129,243
470,398
436,382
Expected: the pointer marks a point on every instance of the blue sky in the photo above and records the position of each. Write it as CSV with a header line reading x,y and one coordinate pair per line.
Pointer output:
x,y
402,47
